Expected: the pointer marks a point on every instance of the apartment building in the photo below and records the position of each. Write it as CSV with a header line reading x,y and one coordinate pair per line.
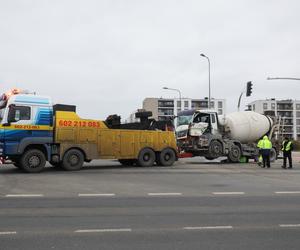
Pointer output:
x,y
163,108
288,110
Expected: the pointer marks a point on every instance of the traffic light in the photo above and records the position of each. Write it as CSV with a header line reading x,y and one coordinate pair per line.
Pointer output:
x,y
249,88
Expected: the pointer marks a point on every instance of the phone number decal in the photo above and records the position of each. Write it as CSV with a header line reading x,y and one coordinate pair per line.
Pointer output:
x,y
89,124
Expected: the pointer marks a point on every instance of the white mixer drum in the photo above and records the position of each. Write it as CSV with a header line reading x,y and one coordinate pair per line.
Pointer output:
x,y
247,126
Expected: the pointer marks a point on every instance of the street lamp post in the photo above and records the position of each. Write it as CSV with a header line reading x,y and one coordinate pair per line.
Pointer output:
x,y
208,79
179,92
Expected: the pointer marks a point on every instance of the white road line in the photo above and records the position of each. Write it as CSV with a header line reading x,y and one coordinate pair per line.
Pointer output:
x,y
289,225
7,233
208,227
24,195
108,230
287,192
96,195
164,194
228,193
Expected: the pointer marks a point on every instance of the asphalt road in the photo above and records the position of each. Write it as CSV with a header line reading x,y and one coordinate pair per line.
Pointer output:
x,y
193,205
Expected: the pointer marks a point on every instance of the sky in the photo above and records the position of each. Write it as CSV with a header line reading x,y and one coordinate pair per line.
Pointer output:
x,y
106,56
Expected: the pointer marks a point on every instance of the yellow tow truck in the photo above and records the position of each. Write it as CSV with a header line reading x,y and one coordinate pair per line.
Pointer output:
x,y
34,131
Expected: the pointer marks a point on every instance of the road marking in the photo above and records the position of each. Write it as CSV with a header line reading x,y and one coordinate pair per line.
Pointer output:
x,y
24,195
96,195
287,192
7,233
108,230
289,225
208,227
228,193
164,194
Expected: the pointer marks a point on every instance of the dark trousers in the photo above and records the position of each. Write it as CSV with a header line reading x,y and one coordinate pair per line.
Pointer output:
x,y
265,153
287,155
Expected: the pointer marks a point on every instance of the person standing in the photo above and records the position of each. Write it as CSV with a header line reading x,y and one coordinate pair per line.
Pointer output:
x,y
287,147
266,146
259,157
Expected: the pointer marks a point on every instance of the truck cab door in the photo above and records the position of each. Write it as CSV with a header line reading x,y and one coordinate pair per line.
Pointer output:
x,y
15,129
214,124
1,140
199,124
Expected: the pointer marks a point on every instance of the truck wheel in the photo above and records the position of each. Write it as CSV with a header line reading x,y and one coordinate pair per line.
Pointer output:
x,y
215,149
166,157
73,160
127,162
273,155
234,154
146,157
33,161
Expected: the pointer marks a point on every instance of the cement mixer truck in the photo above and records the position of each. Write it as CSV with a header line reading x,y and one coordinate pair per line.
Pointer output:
x,y
205,133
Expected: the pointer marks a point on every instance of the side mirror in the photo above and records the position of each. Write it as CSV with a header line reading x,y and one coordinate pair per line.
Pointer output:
x,y
6,124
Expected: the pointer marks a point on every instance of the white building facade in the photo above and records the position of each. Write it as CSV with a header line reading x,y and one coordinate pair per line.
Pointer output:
x,y
164,108
288,110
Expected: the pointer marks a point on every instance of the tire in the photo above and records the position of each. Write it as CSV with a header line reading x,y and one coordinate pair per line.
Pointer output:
x,y
33,161
215,149
273,155
234,154
73,160
127,162
166,157
146,157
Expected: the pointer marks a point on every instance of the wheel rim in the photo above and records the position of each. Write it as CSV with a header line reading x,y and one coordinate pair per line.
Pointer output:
x,y
74,160
167,157
34,161
146,157
235,153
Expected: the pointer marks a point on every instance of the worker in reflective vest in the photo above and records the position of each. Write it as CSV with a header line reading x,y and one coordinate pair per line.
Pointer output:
x,y
287,147
266,146
259,146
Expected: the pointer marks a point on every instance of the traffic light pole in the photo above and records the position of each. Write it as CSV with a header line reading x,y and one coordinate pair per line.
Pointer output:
x,y
239,102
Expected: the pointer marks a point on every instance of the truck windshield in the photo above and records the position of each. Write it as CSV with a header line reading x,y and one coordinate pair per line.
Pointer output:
x,y
184,120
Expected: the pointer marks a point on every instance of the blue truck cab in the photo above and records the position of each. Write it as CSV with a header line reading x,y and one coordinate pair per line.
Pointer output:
x,y
26,125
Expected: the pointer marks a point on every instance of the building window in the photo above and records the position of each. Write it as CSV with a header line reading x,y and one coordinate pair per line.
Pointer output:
x,y
273,106
186,104
220,105
165,104
265,106
298,106
220,111
298,113
179,104
253,107
212,105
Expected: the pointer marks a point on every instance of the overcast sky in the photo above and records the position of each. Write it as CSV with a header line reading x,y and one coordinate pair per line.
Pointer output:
x,y
107,56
